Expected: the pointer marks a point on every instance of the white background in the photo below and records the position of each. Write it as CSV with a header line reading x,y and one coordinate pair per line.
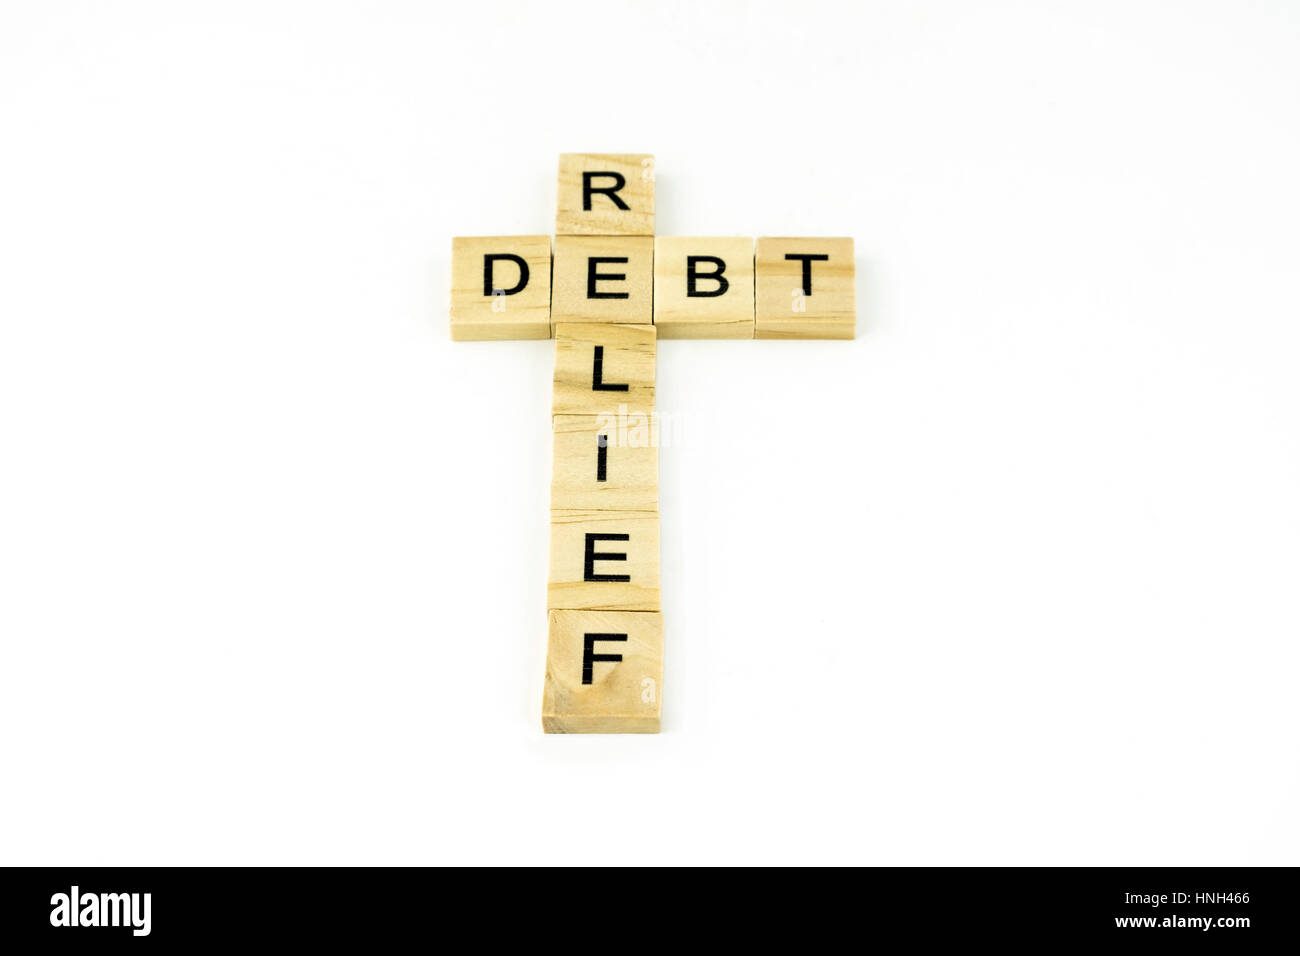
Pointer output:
x,y
1011,578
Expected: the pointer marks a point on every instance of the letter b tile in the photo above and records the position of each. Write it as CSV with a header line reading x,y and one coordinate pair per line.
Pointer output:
x,y
704,288
602,194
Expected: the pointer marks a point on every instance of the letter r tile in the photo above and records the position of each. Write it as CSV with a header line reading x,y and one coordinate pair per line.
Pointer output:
x,y
605,194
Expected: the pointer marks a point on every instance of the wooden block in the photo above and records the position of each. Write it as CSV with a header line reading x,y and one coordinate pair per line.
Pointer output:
x,y
606,195
704,288
804,289
604,561
603,279
601,368
500,287
605,462
603,671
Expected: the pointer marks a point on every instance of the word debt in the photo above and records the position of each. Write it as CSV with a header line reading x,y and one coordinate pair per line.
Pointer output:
x,y
518,287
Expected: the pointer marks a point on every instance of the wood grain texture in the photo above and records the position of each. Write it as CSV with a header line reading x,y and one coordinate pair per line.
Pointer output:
x,y
621,476
829,312
583,281
605,218
703,307
627,357
585,694
579,579
479,315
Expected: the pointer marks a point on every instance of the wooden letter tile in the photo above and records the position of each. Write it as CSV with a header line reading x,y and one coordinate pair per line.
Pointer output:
x,y
601,368
605,462
604,561
500,287
603,671
804,289
704,288
606,195
603,279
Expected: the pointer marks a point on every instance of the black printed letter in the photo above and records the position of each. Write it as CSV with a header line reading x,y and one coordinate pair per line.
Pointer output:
x,y
489,260
592,556
716,275
598,383
593,275
589,658
807,259
610,191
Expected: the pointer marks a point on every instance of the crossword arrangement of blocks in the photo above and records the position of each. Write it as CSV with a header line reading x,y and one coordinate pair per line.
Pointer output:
x,y
606,292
